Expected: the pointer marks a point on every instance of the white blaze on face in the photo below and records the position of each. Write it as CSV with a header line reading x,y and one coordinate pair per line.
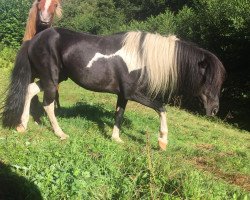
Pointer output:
x,y
45,15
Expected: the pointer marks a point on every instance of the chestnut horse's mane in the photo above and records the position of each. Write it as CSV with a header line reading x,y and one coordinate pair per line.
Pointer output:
x,y
31,25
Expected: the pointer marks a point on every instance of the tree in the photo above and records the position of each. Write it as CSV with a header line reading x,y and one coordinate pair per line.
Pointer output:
x,y
94,16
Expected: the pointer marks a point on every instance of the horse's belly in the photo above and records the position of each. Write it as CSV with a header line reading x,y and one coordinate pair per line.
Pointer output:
x,y
100,77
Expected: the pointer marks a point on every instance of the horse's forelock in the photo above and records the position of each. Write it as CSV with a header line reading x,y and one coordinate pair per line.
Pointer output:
x,y
216,73
198,68
189,59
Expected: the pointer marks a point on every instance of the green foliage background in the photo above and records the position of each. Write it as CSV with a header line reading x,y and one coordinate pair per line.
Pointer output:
x,y
221,26
13,15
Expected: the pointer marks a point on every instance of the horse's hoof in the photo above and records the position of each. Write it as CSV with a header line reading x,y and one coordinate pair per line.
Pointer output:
x,y
162,144
64,137
20,128
117,139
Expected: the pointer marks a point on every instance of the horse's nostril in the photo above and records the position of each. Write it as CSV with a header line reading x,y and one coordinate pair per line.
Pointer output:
x,y
214,112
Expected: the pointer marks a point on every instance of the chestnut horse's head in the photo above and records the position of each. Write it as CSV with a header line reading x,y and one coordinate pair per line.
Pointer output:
x,y
41,16
46,11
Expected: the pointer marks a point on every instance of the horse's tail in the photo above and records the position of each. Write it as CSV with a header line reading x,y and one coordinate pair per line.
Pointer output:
x,y
16,92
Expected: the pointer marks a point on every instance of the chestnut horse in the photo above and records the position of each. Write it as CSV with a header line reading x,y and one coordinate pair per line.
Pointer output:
x,y
138,66
41,16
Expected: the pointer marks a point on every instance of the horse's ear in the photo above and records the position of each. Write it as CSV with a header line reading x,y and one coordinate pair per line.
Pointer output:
x,y
203,66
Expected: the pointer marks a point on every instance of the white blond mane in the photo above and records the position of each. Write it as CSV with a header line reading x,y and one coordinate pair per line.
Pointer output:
x,y
157,56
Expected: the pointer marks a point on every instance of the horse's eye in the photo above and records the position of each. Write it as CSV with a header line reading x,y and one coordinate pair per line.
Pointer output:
x,y
56,4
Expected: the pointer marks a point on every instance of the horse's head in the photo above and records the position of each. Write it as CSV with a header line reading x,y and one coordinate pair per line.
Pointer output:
x,y
213,73
46,11
210,102
41,16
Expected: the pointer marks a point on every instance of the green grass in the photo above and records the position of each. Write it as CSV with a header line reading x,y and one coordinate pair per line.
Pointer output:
x,y
205,158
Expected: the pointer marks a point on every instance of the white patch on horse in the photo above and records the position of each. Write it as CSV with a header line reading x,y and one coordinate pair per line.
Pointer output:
x,y
116,134
163,126
163,135
130,62
33,89
99,56
49,109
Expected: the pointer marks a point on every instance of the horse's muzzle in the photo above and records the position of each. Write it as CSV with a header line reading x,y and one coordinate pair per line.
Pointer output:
x,y
212,112
45,23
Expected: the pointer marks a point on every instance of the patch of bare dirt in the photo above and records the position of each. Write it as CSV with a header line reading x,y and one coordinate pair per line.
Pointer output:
x,y
207,165
207,147
226,154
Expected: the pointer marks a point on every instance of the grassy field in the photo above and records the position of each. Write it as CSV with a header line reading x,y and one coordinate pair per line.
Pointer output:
x,y
205,158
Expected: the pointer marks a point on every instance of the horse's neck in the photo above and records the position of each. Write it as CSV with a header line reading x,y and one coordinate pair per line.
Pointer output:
x,y
40,28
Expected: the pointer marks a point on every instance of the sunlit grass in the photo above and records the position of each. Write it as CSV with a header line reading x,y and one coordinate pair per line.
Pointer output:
x,y
205,158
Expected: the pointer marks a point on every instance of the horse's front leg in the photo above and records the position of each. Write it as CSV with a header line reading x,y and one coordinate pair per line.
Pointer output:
x,y
33,89
160,109
49,107
120,108
163,135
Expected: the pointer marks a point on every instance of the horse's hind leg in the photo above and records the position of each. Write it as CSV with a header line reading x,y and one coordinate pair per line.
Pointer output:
x,y
49,107
57,98
120,108
51,114
33,89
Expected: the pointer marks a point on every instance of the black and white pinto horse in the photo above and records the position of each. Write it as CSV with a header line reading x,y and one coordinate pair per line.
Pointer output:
x,y
138,66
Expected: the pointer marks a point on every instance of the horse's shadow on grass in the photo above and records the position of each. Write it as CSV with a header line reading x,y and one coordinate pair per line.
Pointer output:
x,y
100,116
94,113
97,114
16,187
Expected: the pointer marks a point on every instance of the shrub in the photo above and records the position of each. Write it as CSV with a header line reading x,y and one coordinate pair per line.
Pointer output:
x,y
163,24
7,57
97,17
13,15
221,26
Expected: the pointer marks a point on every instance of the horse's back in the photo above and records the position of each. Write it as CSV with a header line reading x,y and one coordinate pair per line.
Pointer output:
x,y
91,61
